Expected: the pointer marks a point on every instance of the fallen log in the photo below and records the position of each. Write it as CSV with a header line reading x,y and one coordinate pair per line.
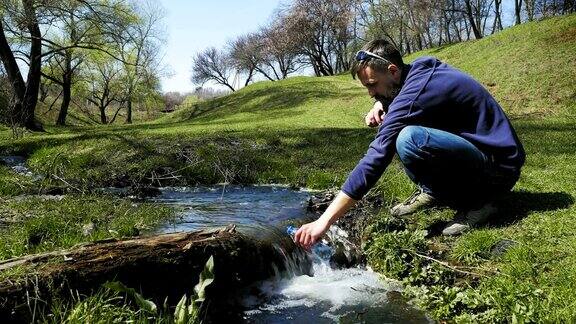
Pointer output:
x,y
162,266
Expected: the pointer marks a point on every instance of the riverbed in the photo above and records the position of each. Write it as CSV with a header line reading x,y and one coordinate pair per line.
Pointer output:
x,y
328,294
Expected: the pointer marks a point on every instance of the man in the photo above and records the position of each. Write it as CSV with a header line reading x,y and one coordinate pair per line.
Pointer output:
x,y
452,137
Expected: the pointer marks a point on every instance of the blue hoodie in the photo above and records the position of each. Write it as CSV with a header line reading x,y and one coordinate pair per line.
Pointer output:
x,y
439,96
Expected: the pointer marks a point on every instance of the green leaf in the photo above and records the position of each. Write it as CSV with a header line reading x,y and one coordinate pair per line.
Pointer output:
x,y
206,278
180,313
143,303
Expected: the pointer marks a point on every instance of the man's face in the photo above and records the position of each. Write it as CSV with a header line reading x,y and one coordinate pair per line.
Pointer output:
x,y
381,85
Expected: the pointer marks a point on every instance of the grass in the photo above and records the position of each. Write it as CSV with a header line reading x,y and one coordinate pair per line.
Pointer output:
x,y
309,132
104,306
34,225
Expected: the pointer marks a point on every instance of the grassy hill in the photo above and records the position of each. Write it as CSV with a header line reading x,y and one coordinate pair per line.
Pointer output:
x,y
308,131
529,68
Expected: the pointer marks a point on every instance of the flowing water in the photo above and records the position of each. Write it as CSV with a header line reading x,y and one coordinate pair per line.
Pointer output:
x,y
354,295
18,165
251,208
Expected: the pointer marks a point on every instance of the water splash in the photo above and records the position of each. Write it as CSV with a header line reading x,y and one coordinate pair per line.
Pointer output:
x,y
326,293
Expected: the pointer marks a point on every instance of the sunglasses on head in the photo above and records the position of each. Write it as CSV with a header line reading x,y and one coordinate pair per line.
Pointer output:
x,y
365,55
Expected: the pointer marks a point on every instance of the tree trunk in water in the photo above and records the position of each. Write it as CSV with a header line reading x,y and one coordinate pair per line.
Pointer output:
x,y
163,266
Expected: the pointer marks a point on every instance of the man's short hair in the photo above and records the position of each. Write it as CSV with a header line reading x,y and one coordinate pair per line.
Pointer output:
x,y
381,48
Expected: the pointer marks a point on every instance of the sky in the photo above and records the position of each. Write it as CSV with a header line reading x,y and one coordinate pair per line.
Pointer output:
x,y
194,25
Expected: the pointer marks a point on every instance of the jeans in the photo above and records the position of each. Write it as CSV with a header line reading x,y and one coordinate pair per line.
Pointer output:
x,y
450,168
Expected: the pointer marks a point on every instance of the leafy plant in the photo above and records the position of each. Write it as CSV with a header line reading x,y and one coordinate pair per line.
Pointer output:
x,y
143,303
187,311
390,254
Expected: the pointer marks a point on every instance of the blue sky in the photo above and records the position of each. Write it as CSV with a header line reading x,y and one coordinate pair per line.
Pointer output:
x,y
193,25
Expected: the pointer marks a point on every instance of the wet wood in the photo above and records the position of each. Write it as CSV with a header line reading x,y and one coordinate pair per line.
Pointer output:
x,y
159,266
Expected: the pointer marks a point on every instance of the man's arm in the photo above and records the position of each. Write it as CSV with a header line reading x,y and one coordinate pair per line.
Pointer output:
x,y
310,233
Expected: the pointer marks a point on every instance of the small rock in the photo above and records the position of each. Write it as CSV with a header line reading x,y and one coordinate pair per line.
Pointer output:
x,y
51,197
319,203
144,192
12,160
88,229
501,247
20,169
55,191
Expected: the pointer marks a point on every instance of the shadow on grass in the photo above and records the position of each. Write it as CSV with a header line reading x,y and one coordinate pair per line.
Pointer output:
x,y
516,205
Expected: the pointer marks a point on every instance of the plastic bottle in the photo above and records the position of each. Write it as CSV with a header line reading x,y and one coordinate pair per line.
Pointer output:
x,y
319,249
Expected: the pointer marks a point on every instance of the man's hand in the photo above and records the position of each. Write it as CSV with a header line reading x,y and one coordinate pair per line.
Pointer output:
x,y
308,234
375,115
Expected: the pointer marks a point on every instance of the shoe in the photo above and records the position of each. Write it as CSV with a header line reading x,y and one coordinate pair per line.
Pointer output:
x,y
418,200
464,221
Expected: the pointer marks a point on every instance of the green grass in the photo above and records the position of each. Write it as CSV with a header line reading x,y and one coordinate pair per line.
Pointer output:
x,y
104,306
309,132
529,68
33,225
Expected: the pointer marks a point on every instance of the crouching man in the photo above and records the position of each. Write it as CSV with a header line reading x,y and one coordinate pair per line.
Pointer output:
x,y
452,137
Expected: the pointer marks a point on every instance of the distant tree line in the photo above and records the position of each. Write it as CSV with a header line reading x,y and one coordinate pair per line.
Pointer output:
x,y
323,34
95,54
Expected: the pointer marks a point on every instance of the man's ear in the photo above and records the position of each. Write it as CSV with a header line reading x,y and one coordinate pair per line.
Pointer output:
x,y
394,71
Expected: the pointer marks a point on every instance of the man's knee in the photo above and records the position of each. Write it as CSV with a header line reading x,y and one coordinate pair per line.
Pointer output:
x,y
409,143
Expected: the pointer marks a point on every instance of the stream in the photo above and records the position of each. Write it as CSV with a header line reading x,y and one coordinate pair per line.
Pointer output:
x,y
329,295
326,294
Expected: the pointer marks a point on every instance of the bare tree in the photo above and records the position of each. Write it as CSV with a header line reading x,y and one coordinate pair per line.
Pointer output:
x,y
172,99
530,8
517,10
212,65
209,93
321,30
497,25
281,54
246,55
477,12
